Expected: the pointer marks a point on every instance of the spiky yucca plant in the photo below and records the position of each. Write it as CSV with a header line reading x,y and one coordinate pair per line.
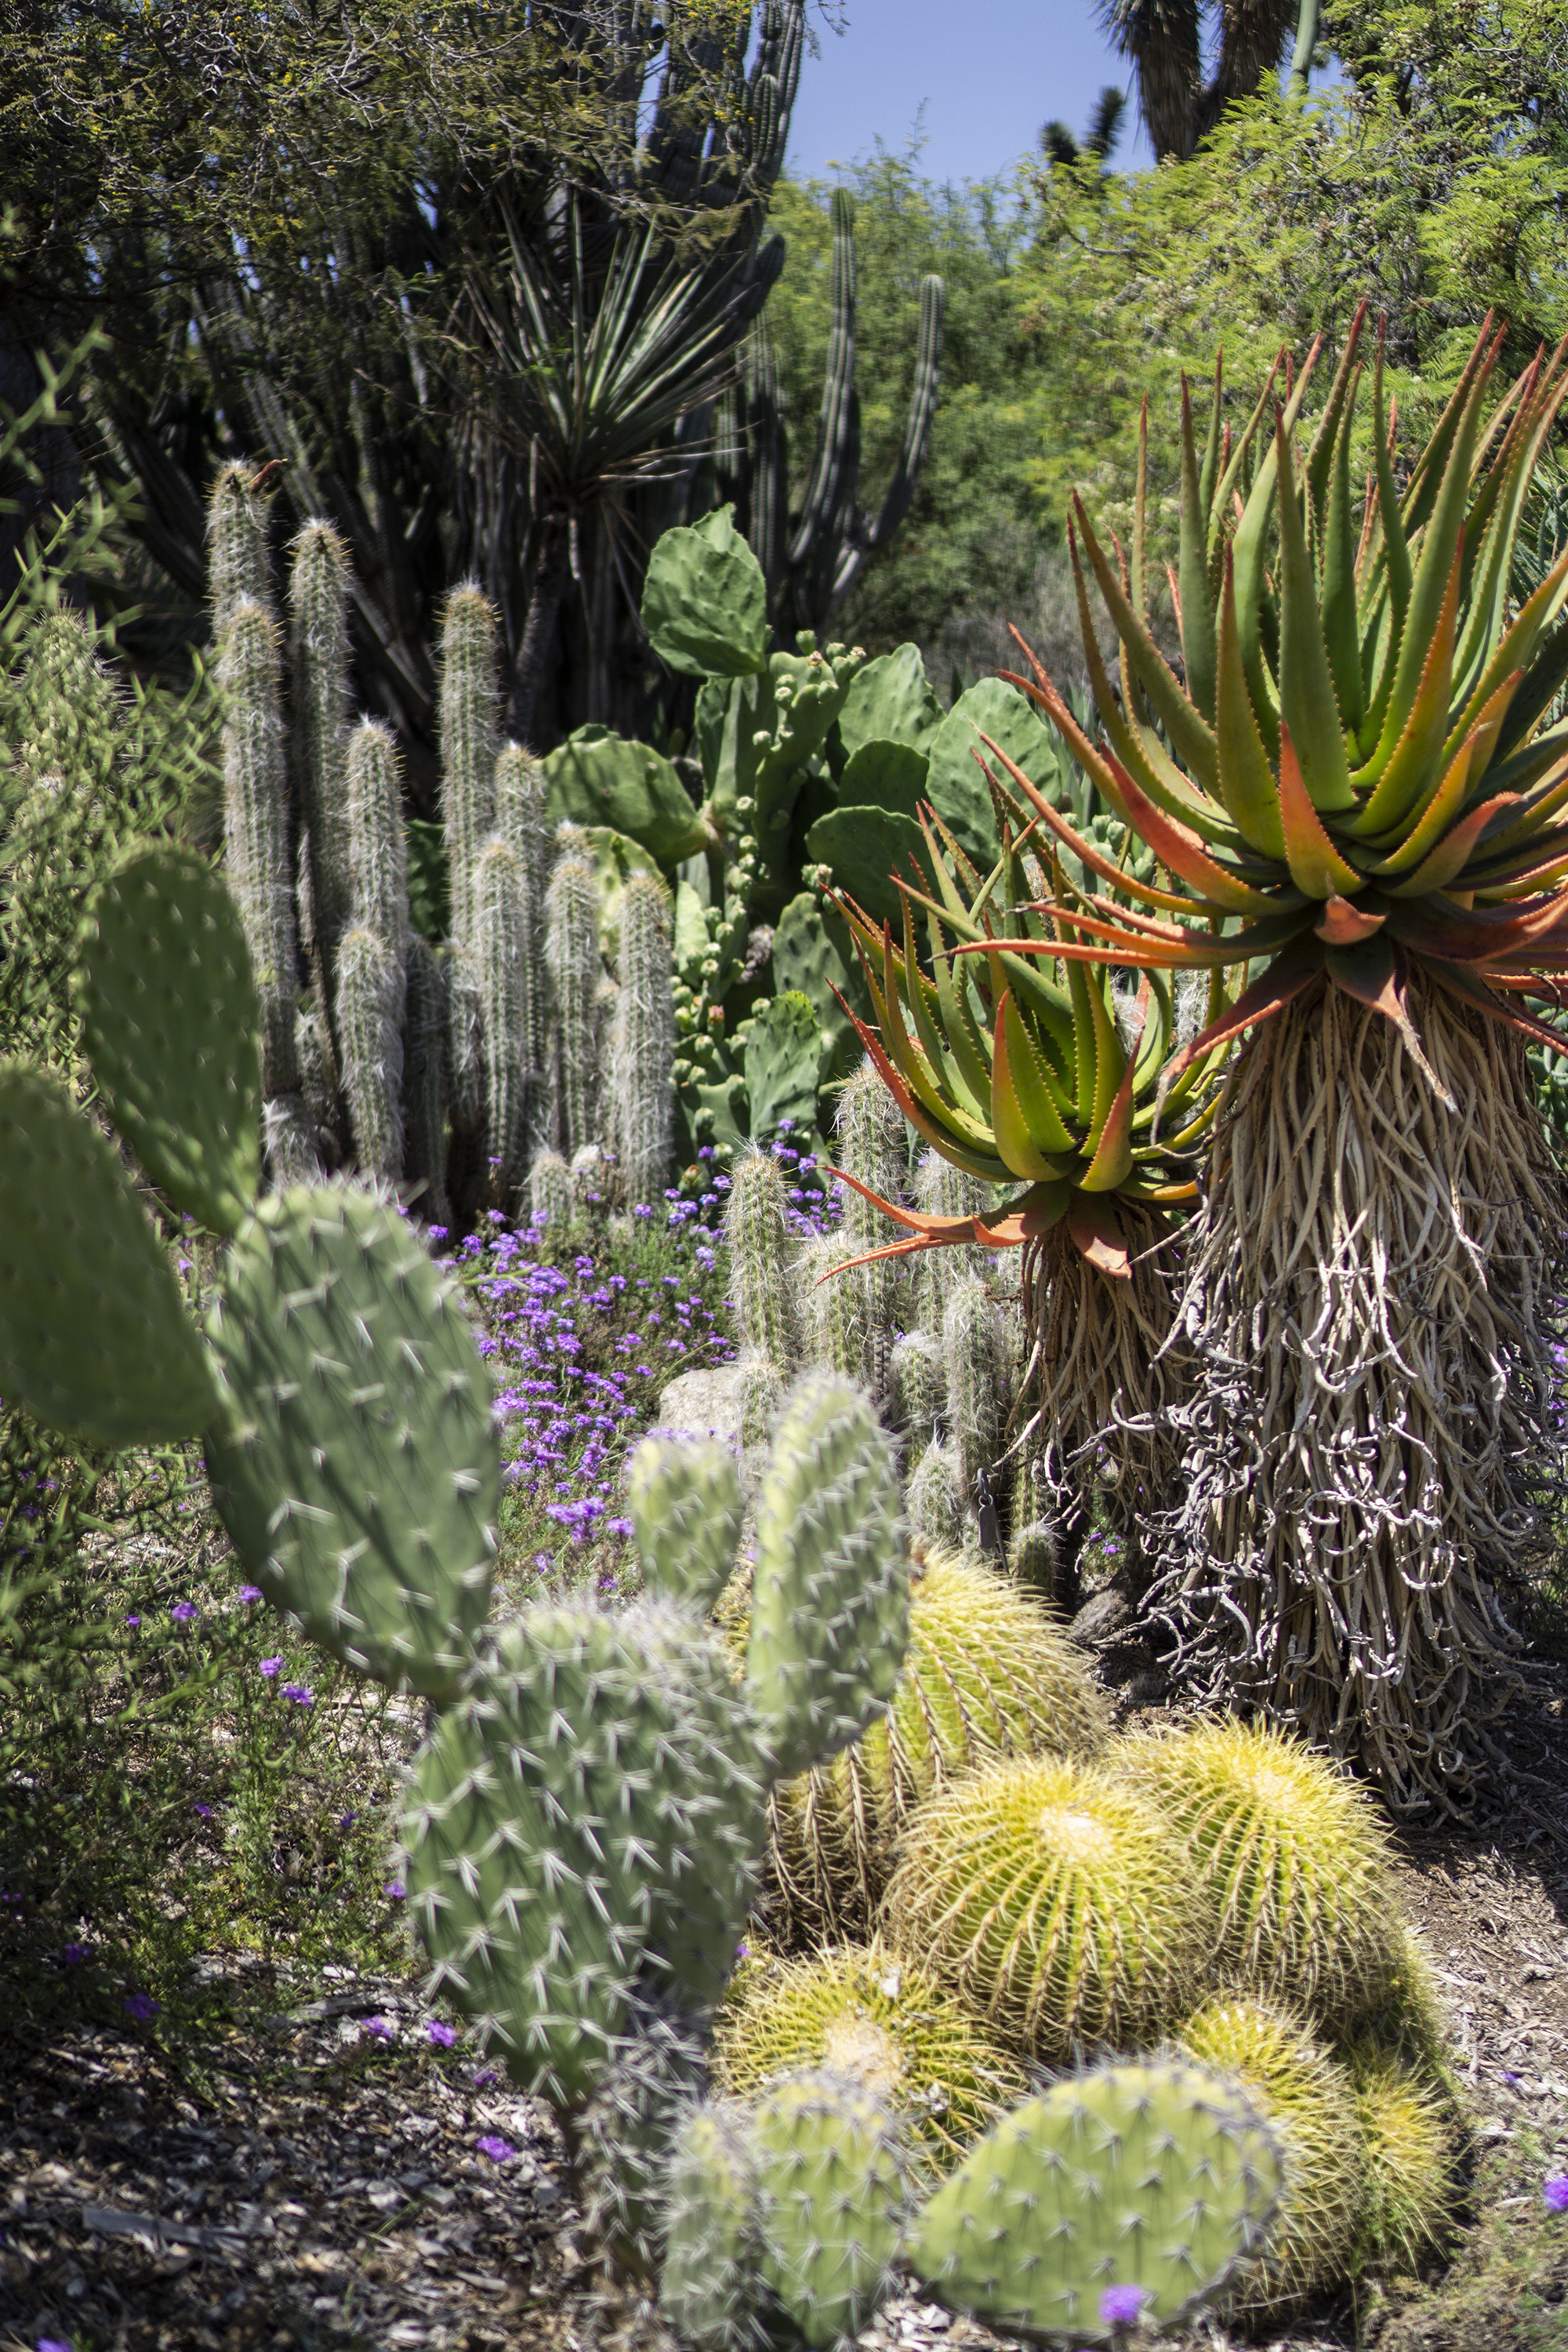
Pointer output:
x,y
1350,787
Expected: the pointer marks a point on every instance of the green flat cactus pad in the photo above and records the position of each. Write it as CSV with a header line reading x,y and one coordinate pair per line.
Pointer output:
x,y
954,785
887,776
890,701
1159,2179
830,1609
599,778
832,2182
94,1336
783,1056
170,1023
705,602
686,1504
813,951
359,1472
865,847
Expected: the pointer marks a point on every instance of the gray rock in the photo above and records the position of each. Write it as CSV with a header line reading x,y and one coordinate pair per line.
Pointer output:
x,y
701,1404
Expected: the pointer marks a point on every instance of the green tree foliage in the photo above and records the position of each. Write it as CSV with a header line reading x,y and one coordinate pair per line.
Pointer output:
x,y
969,544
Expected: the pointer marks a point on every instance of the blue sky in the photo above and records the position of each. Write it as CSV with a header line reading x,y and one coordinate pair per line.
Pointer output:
x,y
986,73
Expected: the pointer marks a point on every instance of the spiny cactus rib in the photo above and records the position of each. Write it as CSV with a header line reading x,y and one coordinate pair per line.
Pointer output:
x,y
256,831
835,1308
425,1081
761,1385
709,2287
94,1336
917,1381
573,963
972,1345
499,959
544,1869
941,1190
933,1501
1408,2147
64,715
757,1230
830,1605
240,569
469,726
626,2131
873,1146
642,1056
685,1501
1305,2096
550,1198
1158,2179
860,2011
358,1473
523,821
169,1027
986,1675
1047,1896
318,608
832,2186
377,844
369,1030
1292,1859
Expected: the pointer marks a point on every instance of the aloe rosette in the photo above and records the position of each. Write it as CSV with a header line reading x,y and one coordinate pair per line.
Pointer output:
x,y
1361,813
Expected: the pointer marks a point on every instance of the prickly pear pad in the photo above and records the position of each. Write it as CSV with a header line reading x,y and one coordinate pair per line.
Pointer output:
x,y
710,2229
1158,2178
358,1471
169,1022
830,1608
586,1810
94,1336
686,1504
834,2187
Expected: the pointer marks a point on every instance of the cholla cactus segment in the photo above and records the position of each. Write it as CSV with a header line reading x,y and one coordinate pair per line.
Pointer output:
x,y
425,1080
358,1471
370,1028
642,1054
762,1288
574,967
1306,2098
707,2289
240,568
830,1602
545,1872
933,1499
501,947
973,1346
837,1307
256,830
552,1199
833,2188
1293,1860
169,1027
859,2011
319,581
1136,2191
94,1336
378,843
470,727
1046,1894
987,1675
916,1381
685,1500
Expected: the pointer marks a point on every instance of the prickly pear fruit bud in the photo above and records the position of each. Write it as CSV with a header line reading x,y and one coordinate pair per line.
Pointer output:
x,y
686,1505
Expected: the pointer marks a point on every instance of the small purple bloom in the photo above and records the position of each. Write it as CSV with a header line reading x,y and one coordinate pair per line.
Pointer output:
x,y
53,2344
347,1820
74,1955
1555,2192
301,1694
249,1593
1120,2305
270,1666
1510,2079
381,2029
205,1811
498,2150
395,1889
184,1611
141,2007
484,2076
441,2035
133,1621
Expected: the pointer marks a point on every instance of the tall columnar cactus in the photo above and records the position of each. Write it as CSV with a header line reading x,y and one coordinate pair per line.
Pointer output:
x,y
377,844
574,967
499,960
972,1348
240,565
642,1051
834,1309
319,645
552,1198
761,1287
522,819
471,725
873,1146
424,1026
370,1037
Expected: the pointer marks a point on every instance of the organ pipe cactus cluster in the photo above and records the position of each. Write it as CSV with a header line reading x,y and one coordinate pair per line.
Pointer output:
x,y
583,1823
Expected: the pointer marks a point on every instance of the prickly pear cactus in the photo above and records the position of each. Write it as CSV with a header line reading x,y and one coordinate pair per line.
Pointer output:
x,y
686,1506
1158,2180
169,1027
94,1336
830,1608
711,2243
833,2183
358,1471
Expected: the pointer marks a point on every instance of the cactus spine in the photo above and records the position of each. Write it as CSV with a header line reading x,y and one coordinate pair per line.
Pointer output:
x,y
972,1347
424,1079
642,1054
572,962
552,1199
873,1149
369,1030
318,606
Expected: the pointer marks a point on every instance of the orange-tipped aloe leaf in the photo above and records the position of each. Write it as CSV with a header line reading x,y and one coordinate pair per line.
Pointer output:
x,y
1439,927
1190,735
976,1162
1094,857
1093,1230
1470,988
1178,847
1399,777
1341,925
1113,1161
1445,862
1289,976
1309,708
1421,834
1245,779
1189,583
1316,867
1514,650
